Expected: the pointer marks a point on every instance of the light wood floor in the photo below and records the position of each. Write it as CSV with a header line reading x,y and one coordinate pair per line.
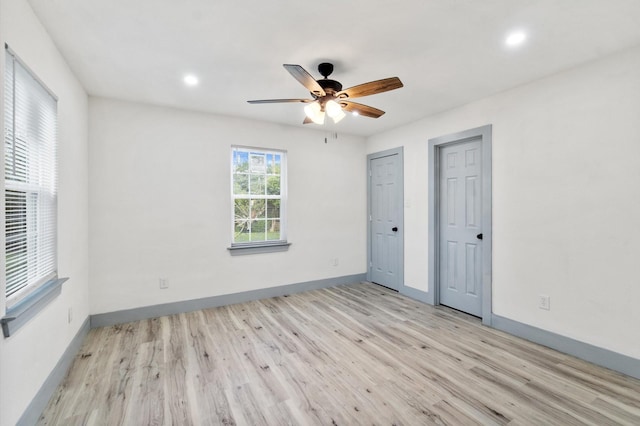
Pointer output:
x,y
349,355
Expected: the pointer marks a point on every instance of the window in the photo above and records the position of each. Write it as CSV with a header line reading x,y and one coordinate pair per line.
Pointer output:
x,y
258,191
30,127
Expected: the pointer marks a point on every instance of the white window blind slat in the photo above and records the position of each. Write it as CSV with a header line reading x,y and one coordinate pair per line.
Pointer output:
x,y
30,181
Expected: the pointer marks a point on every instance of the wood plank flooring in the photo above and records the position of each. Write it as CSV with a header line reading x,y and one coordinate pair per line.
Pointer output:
x,y
348,355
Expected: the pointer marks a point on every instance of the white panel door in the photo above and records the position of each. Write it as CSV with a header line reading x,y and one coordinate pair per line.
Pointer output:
x,y
460,210
385,209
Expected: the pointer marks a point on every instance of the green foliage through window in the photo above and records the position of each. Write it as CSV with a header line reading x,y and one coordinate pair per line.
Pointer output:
x,y
257,195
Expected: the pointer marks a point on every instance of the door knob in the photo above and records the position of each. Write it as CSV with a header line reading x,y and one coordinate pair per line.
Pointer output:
x,y
394,229
479,236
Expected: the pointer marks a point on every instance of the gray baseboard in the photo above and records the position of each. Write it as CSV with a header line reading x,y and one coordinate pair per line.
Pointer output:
x,y
594,354
155,311
414,293
603,357
40,401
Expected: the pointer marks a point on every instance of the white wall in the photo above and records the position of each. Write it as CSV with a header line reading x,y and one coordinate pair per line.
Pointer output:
x,y
160,206
566,199
28,356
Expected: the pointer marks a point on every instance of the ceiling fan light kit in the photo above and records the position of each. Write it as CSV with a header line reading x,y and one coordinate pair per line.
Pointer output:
x,y
329,98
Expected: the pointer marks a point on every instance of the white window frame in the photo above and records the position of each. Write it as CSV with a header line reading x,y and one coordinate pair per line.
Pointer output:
x,y
30,266
267,245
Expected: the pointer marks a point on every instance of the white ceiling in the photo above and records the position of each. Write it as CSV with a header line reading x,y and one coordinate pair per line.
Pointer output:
x,y
446,52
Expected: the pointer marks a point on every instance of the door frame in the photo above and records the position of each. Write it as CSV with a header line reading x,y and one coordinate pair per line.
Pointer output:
x,y
376,155
435,144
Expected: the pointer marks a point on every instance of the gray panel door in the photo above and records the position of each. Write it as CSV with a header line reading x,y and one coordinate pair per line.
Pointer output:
x,y
460,211
385,210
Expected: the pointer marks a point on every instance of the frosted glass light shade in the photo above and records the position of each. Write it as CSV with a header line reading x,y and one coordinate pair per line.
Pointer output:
x,y
339,116
314,112
333,108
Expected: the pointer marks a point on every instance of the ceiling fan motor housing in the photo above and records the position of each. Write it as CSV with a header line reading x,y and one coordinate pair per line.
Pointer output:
x,y
330,87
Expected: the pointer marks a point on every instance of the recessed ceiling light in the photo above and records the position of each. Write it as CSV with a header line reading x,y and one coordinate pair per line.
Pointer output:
x,y
515,38
190,80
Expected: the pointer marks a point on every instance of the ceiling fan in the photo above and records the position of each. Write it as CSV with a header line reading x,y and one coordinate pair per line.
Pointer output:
x,y
329,98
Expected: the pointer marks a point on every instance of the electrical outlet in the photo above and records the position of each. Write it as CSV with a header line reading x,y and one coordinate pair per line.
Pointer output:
x,y
164,284
70,315
544,302
335,262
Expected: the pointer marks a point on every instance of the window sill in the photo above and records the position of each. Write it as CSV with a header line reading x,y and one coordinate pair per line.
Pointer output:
x,y
241,250
20,313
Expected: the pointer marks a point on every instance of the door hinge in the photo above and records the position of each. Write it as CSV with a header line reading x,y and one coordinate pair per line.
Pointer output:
x,y
369,218
370,264
370,173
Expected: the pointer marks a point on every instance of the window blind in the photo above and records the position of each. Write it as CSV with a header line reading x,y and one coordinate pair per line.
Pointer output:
x,y
30,181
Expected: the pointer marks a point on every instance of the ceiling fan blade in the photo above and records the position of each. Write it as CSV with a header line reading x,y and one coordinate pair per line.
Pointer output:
x,y
364,110
371,88
305,79
279,101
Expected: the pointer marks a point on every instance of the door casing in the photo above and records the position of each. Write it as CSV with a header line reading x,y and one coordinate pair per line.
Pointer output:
x,y
399,152
484,133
